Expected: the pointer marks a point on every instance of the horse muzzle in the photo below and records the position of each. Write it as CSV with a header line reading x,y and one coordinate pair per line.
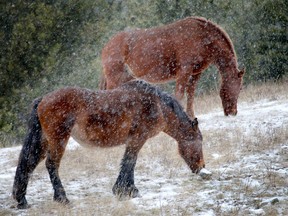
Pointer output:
x,y
197,168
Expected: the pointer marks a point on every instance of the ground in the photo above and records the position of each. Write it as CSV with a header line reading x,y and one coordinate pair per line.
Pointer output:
x,y
247,155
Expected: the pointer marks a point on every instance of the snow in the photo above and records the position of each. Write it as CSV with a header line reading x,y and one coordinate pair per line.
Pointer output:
x,y
249,172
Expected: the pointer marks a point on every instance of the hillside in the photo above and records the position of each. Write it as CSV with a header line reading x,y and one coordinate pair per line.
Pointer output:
x,y
247,154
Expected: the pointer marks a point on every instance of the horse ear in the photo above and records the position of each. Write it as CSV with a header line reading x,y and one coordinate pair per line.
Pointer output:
x,y
241,73
195,122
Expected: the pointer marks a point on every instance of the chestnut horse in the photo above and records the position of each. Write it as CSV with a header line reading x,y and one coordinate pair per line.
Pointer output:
x,y
129,114
179,51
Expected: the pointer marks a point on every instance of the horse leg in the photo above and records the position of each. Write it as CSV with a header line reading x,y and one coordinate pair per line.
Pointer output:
x,y
116,74
52,164
192,83
124,186
180,88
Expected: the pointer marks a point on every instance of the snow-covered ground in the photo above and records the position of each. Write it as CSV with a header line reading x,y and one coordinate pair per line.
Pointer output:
x,y
247,155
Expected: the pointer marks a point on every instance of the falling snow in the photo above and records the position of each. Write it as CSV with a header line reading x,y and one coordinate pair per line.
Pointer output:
x,y
247,178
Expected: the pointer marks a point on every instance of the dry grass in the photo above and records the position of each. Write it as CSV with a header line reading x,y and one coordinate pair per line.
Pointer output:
x,y
269,91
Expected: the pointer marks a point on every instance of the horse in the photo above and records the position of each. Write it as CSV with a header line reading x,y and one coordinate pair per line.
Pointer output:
x,y
178,51
129,114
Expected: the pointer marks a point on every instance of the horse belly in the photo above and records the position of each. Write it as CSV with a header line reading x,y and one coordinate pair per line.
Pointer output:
x,y
159,75
80,136
96,137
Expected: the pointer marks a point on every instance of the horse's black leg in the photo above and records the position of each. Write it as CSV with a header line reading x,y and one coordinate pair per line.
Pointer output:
x,y
124,186
52,165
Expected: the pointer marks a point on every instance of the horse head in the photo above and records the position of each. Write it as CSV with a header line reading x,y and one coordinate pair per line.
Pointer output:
x,y
229,93
190,148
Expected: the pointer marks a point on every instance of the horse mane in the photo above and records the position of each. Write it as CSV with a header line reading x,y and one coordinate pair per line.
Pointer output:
x,y
219,30
165,98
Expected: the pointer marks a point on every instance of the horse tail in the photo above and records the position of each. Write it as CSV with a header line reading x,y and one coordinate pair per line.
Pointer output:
x,y
31,154
32,144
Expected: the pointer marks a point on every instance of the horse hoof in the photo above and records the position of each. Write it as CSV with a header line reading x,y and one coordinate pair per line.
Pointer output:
x,y
23,206
126,192
134,193
62,200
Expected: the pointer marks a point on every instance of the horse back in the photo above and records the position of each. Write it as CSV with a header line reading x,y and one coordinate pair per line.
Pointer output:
x,y
157,54
102,118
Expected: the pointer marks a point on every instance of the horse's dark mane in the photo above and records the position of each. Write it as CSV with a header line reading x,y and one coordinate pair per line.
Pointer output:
x,y
164,97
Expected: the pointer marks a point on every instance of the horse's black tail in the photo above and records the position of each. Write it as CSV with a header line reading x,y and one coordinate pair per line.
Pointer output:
x,y
31,154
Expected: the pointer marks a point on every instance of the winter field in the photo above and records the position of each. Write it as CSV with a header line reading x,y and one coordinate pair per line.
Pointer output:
x,y
247,155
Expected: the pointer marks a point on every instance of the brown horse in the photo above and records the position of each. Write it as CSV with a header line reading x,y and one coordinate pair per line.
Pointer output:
x,y
179,51
130,114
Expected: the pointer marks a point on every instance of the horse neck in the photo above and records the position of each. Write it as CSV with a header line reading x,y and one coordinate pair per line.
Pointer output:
x,y
177,128
225,57
227,66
